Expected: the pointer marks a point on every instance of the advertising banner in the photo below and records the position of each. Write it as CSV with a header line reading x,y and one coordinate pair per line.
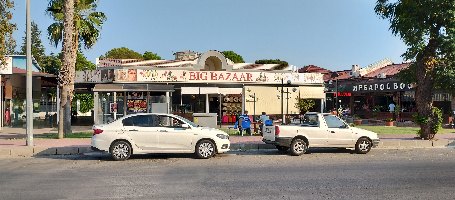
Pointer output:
x,y
136,105
157,75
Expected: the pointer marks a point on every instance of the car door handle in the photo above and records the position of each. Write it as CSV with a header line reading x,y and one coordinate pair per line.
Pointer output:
x,y
133,130
163,131
332,131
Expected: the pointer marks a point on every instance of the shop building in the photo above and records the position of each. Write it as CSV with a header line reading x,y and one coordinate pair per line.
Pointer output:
x,y
196,83
13,92
369,91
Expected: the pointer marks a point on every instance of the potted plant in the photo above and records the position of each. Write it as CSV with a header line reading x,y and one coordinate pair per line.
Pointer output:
x,y
357,120
389,122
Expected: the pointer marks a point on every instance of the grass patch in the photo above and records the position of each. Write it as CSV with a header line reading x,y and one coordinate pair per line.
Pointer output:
x,y
72,135
400,130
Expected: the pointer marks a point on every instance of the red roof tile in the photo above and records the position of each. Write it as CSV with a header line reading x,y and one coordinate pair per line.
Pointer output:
x,y
313,69
388,70
23,71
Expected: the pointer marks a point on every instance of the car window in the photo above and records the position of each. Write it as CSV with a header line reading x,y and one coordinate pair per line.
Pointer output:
x,y
310,120
167,121
334,122
139,120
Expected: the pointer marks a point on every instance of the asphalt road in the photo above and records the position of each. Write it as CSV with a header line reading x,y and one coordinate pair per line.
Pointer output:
x,y
322,174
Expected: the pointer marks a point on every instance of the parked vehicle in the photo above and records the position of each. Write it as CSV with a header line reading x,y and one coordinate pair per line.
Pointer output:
x,y
319,130
157,133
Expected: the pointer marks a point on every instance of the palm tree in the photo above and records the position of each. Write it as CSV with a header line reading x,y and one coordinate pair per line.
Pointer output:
x,y
87,22
76,23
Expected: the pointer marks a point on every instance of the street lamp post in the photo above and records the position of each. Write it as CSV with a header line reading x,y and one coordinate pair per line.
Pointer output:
x,y
254,105
335,76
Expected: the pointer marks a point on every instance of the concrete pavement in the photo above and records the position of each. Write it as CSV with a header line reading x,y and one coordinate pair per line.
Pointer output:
x,y
13,143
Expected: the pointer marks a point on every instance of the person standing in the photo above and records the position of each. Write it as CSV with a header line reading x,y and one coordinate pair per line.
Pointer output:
x,y
245,123
7,117
262,120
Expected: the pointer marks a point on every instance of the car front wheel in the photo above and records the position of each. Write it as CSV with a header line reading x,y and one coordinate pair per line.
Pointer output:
x,y
298,147
205,149
363,146
120,150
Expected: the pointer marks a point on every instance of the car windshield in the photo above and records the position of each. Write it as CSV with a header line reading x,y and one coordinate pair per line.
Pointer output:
x,y
187,121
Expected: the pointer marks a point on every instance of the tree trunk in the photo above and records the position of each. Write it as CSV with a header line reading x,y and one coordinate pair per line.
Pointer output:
x,y
67,72
424,91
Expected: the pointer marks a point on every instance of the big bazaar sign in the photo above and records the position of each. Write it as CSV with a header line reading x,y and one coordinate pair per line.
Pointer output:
x,y
154,75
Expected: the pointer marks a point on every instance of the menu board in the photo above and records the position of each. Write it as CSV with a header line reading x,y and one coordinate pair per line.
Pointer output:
x,y
137,105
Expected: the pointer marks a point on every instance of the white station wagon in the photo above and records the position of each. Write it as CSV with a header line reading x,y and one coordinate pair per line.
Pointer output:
x,y
157,133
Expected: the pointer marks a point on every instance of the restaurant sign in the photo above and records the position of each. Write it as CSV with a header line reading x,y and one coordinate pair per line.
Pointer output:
x,y
381,87
153,75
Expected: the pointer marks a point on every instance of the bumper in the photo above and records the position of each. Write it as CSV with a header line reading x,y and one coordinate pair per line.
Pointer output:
x,y
280,141
223,146
376,142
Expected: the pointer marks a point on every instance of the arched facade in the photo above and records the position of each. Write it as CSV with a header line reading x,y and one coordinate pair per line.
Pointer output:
x,y
213,61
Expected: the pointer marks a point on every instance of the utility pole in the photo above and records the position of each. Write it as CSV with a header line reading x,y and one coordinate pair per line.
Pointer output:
x,y
29,79
282,101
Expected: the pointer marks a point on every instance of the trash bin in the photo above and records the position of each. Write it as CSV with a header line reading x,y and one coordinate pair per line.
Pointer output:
x,y
205,119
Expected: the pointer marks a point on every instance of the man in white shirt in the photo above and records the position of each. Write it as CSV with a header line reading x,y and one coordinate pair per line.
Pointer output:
x,y
391,107
262,118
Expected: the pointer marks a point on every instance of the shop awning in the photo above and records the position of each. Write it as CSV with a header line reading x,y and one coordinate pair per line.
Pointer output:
x,y
133,88
309,92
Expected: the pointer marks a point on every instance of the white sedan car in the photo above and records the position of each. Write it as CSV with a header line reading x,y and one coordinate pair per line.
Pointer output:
x,y
157,133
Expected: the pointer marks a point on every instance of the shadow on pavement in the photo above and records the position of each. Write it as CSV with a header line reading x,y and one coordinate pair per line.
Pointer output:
x,y
276,152
107,157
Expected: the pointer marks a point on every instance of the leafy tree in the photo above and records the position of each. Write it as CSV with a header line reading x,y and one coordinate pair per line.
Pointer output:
x,y
83,64
123,53
427,27
51,64
304,105
76,22
10,44
234,57
6,28
86,102
37,46
281,64
151,56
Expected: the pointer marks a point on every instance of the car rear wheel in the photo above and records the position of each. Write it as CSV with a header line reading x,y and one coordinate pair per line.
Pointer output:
x,y
363,146
281,148
120,150
205,149
298,147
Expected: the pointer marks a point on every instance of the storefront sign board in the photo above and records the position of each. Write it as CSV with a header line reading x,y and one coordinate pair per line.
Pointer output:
x,y
381,87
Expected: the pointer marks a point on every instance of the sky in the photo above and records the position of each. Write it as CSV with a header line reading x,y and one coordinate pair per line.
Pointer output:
x,y
327,33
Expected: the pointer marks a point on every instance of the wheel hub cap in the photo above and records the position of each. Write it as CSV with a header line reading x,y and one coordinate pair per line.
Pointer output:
x,y
206,149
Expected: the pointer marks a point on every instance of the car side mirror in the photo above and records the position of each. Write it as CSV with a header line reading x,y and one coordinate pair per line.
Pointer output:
x,y
186,126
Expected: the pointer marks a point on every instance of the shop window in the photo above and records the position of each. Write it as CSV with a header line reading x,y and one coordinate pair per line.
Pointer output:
x,y
333,122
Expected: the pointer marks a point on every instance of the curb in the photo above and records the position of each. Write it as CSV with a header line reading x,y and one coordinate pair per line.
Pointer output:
x,y
387,144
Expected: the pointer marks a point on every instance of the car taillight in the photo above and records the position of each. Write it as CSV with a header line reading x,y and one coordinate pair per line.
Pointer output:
x,y
277,130
97,131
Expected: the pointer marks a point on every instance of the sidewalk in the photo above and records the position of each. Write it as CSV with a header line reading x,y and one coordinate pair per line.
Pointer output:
x,y
13,143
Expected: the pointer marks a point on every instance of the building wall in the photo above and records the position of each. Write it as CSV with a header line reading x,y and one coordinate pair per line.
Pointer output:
x,y
269,99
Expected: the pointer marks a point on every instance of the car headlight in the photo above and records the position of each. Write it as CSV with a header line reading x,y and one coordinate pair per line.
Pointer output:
x,y
223,136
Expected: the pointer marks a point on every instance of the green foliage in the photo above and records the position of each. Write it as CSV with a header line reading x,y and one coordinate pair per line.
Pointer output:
x,y
436,124
151,56
37,46
304,105
86,102
87,22
51,64
123,53
82,63
6,28
19,104
281,64
234,57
